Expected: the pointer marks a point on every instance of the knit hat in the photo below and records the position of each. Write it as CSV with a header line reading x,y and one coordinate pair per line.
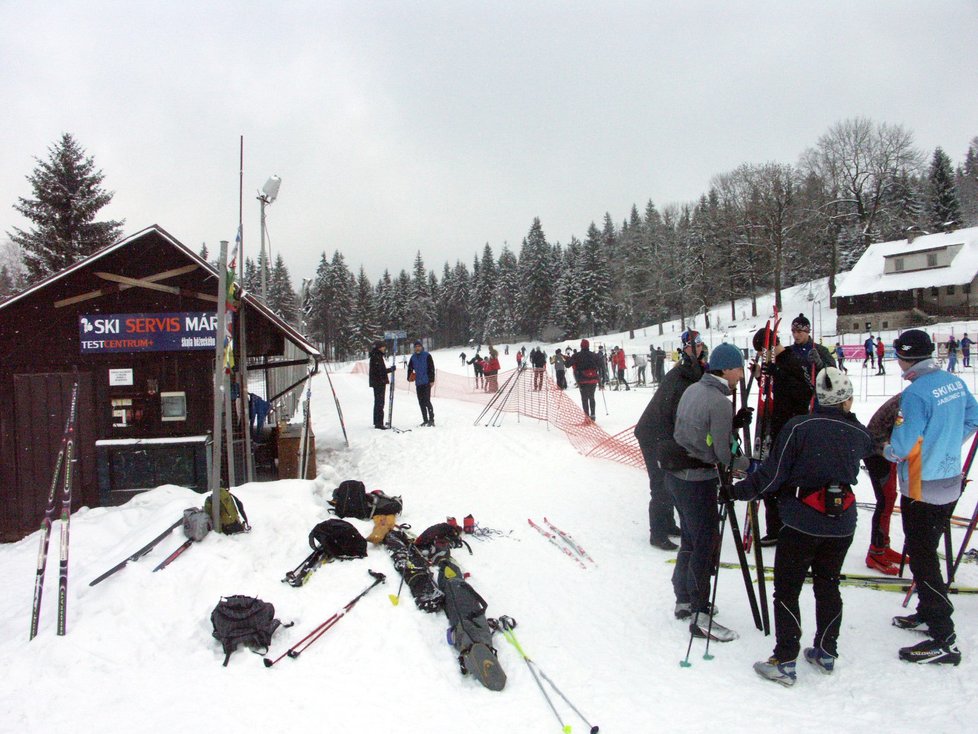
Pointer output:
x,y
913,345
801,322
690,336
585,344
418,343
726,357
378,344
832,387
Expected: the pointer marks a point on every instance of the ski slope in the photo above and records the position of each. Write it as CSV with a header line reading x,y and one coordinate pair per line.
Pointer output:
x,y
139,655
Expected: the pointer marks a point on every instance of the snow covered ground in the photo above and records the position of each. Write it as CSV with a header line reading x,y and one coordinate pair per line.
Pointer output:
x,y
139,654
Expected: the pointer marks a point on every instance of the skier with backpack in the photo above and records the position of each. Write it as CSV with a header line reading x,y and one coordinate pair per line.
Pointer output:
x,y
811,472
587,369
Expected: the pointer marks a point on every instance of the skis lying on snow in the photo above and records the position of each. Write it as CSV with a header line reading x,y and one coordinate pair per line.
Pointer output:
x,y
859,580
137,555
568,538
176,554
553,539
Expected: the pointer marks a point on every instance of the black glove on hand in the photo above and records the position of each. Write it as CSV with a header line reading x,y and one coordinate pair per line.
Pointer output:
x,y
743,418
726,493
392,368
815,358
769,368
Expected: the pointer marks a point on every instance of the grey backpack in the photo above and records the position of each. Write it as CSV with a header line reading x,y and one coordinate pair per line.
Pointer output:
x,y
196,523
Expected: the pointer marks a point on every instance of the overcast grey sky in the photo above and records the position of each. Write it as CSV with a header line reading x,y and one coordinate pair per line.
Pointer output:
x,y
440,126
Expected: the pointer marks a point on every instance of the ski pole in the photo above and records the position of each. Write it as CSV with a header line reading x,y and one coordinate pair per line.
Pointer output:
x,y
604,399
716,579
974,517
508,624
395,600
320,630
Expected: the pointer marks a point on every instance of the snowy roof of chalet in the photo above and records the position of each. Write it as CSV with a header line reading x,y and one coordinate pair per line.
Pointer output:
x,y
869,276
293,335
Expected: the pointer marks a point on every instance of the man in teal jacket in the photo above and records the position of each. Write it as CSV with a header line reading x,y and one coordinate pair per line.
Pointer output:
x,y
937,414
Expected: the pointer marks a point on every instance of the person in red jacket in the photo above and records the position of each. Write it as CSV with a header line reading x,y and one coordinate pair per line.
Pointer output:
x,y
880,351
490,368
618,361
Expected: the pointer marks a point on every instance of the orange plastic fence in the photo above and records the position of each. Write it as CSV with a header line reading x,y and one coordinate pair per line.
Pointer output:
x,y
533,394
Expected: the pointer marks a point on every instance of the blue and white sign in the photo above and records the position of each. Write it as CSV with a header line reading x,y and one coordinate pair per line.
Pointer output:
x,y
147,332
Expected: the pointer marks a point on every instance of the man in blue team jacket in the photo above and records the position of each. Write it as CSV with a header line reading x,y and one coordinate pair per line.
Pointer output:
x,y
937,414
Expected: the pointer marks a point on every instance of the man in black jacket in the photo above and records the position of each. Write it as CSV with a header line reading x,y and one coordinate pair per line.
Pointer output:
x,y
379,380
792,396
657,423
811,472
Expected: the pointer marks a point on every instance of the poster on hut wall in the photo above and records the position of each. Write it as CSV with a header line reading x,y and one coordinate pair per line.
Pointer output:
x,y
147,332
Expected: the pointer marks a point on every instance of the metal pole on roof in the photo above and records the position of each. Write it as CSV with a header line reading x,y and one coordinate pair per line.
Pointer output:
x,y
244,392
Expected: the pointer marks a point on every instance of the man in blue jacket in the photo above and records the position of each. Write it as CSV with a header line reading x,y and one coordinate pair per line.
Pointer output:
x,y
421,371
937,414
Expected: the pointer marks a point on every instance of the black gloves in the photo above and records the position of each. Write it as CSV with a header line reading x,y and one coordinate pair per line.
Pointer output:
x,y
769,368
743,418
726,493
392,368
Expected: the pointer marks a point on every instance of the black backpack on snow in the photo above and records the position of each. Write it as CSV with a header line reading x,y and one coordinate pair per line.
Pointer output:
x,y
339,539
243,620
350,499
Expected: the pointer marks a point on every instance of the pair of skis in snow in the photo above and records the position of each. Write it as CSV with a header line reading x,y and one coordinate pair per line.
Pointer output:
x,y
564,541
145,550
64,461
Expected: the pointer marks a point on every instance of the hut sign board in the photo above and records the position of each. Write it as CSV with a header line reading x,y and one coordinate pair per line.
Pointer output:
x,y
147,332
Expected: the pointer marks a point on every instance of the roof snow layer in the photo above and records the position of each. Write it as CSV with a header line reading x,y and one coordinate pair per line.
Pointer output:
x,y
868,274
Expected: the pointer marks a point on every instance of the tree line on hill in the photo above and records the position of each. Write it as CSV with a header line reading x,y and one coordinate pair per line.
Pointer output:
x,y
759,227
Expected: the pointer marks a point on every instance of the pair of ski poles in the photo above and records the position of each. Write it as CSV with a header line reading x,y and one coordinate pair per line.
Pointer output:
x,y
507,625
321,629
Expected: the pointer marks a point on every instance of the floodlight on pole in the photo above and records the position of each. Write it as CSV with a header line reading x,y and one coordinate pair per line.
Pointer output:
x,y
267,195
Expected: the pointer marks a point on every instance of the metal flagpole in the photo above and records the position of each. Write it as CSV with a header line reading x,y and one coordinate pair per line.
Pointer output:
x,y
214,484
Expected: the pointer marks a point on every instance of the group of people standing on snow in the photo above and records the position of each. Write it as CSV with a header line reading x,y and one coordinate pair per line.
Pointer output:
x,y
420,371
688,437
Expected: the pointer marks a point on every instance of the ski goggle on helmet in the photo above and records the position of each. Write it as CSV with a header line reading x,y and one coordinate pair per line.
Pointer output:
x,y
690,336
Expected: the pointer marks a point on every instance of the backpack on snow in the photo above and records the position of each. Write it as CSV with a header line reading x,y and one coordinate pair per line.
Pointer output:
x,y
233,517
196,523
243,620
339,539
350,499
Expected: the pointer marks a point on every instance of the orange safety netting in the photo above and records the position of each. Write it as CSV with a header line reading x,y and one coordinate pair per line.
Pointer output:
x,y
534,394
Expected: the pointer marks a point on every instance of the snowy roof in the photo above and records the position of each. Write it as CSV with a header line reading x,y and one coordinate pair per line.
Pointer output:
x,y
869,274
256,303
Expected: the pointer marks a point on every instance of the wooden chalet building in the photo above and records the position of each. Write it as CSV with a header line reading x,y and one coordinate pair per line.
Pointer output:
x,y
913,282
137,320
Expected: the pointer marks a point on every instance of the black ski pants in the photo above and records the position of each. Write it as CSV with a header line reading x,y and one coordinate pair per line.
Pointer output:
x,y
562,379
587,400
772,516
923,527
797,553
380,392
661,515
424,400
699,523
